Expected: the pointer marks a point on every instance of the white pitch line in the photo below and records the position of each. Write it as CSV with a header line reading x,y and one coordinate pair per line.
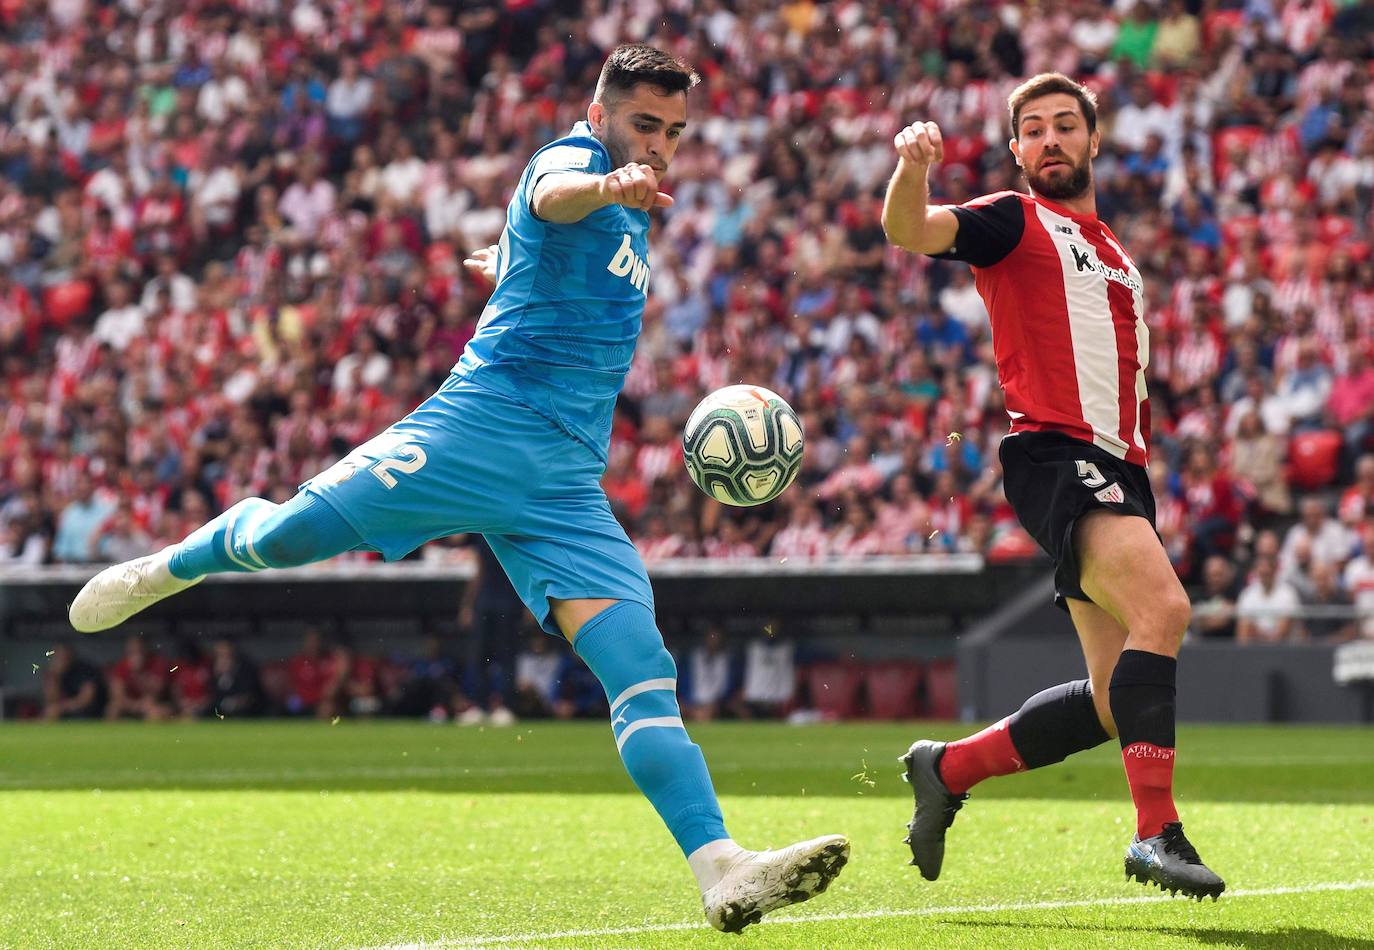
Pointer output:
x,y
507,939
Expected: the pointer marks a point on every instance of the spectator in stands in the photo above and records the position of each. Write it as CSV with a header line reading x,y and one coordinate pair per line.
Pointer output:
x,y
21,543
1305,389
190,675
80,521
1357,501
308,672
1359,580
72,687
235,688
138,683
539,687
1267,609
121,538
1327,595
489,619
1214,607
710,683
351,686
1257,457
1317,538
431,687
770,674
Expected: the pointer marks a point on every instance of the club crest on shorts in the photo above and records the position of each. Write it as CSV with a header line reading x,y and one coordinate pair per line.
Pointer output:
x,y
1112,494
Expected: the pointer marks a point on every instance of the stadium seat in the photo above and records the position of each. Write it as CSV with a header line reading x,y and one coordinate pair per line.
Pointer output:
x,y
892,689
834,689
1313,458
64,302
942,689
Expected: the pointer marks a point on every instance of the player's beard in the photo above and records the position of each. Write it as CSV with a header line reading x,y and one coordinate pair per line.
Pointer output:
x,y
1063,187
620,150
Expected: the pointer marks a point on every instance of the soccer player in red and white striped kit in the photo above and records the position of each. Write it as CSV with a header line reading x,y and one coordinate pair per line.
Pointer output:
x,y
1067,306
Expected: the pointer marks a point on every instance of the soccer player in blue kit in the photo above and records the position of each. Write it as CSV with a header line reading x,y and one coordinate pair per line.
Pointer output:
x,y
513,446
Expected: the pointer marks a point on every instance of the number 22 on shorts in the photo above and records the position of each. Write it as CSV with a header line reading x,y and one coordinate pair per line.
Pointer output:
x,y
406,466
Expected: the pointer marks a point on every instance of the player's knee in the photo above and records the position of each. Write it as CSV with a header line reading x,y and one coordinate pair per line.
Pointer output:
x,y
1162,629
1176,613
649,657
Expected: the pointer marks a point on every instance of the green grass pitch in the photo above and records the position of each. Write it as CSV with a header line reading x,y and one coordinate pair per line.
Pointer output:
x,y
383,835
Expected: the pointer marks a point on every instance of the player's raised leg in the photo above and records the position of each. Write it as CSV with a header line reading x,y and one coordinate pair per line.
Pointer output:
x,y
1125,570
253,535
621,644
1048,728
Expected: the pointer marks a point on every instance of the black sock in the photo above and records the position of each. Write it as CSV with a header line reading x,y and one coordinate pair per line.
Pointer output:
x,y
1055,723
1142,698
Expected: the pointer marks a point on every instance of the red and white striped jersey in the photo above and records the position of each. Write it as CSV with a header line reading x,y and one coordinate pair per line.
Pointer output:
x,y
1067,307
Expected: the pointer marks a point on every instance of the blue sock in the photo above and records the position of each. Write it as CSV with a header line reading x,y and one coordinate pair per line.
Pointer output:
x,y
623,647
256,534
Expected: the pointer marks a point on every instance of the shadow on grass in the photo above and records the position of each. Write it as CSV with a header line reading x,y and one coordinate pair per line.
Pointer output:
x,y
1285,938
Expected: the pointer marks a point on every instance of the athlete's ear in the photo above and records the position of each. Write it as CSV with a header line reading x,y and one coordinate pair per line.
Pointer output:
x,y
1093,141
1015,147
596,116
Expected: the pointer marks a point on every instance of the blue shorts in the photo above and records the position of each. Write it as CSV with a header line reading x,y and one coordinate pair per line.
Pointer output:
x,y
471,460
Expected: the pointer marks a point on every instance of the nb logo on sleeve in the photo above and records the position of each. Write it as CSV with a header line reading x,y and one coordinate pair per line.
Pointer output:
x,y
627,264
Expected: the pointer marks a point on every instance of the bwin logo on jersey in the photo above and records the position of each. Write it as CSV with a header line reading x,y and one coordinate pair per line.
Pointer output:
x,y
1083,260
626,263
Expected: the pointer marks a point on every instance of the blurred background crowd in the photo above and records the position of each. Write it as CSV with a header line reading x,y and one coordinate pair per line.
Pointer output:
x,y
231,237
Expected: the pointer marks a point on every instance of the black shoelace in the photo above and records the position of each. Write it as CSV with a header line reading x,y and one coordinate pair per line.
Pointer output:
x,y
952,806
1175,843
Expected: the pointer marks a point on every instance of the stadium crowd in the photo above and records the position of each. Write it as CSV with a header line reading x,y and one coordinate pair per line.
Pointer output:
x,y
330,677
231,237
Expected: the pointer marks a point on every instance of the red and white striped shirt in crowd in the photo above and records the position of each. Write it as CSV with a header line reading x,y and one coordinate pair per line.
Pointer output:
x,y
653,461
1067,310
1197,359
801,541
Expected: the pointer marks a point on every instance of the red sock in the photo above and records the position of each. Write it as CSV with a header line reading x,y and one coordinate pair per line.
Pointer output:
x,y
1150,772
967,762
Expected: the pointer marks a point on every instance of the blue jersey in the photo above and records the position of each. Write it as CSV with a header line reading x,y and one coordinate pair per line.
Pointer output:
x,y
560,329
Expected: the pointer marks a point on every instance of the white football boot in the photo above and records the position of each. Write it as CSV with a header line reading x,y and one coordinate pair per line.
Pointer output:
x,y
122,590
759,882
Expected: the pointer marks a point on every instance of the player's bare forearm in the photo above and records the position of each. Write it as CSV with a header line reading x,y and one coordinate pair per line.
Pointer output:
x,y
567,197
908,219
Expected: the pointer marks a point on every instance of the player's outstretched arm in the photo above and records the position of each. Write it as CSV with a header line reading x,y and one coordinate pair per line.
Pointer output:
x,y
908,219
566,197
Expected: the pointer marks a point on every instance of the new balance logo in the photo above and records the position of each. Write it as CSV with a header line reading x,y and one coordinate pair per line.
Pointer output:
x,y
1112,494
1063,229
627,263
1083,260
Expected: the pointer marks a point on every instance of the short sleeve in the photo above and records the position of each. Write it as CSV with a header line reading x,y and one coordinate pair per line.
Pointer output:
x,y
565,158
989,229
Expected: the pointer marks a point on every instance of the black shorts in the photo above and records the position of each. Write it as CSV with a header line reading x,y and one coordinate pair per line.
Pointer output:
x,y
1051,480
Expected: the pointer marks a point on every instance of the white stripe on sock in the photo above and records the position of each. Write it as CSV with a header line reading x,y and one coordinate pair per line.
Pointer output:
x,y
251,528
648,686
660,722
229,547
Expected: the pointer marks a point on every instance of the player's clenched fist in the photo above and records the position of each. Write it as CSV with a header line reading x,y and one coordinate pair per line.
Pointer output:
x,y
920,143
634,186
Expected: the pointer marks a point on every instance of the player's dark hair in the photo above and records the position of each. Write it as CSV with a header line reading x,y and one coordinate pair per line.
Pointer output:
x,y
1047,84
633,64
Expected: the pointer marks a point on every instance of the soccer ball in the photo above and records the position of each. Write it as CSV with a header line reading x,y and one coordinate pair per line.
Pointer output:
x,y
743,445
